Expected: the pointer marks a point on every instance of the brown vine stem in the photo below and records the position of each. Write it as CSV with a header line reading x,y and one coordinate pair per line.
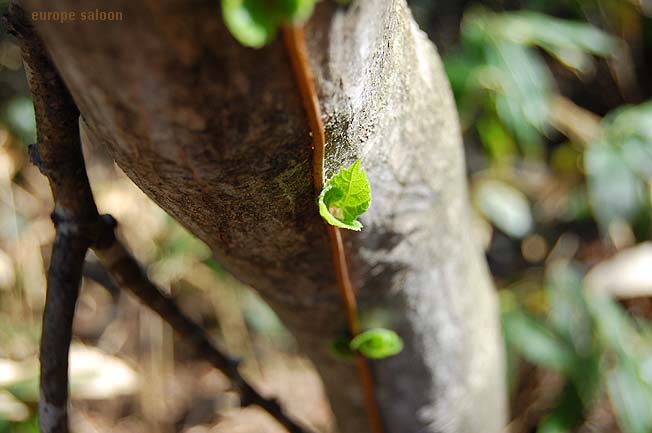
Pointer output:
x,y
295,44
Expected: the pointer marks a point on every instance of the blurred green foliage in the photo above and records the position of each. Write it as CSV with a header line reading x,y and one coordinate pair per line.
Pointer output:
x,y
619,168
593,344
548,171
506,90
19,114
500,71
30,426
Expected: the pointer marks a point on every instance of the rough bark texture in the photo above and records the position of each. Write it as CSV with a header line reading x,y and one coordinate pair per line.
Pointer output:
x,y
216,134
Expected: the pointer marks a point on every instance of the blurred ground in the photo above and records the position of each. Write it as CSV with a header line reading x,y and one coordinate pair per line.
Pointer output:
x,y
554,100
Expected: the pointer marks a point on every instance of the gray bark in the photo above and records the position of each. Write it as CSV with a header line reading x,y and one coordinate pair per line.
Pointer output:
x,y
216,134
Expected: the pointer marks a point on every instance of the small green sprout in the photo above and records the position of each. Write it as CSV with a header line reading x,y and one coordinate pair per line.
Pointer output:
x,y
376,343
346,196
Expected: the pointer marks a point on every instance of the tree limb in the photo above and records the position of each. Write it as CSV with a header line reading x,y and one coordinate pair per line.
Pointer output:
x,y
78,227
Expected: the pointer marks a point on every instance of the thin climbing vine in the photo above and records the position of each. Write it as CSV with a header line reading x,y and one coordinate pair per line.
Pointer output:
x,y
341,199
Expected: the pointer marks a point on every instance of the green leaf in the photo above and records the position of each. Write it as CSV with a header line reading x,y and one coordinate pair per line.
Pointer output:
x,y
630,396
569,41
615,192
569,315
248,22
345,197
377,343
629,374
254,23
536,342
567,413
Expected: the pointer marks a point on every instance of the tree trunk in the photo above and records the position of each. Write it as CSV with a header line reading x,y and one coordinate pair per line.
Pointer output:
x,y
216,134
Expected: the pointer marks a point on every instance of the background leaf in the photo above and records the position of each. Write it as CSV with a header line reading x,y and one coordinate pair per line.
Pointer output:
x,y
536,342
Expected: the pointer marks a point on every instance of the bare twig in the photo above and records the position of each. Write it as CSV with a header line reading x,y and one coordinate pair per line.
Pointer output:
x,y
130,275
79,226
95,271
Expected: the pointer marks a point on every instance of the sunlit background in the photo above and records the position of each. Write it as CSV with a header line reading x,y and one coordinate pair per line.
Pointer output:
x,y
554,100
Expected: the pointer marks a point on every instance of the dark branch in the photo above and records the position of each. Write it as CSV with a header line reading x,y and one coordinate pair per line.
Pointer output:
x,y
64,277
79,226
95,271
58,155
130,275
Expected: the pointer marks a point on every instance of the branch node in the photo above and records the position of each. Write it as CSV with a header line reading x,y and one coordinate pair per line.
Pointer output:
x,y
105,232
35,158
69,224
